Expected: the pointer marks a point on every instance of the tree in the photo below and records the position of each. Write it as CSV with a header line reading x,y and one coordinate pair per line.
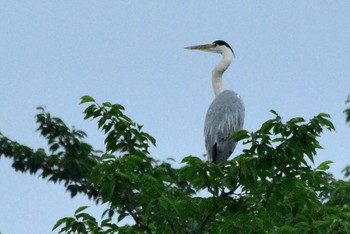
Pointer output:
x,y
270,188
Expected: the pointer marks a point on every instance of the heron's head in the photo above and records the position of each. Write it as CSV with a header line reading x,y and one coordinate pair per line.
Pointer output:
x,y
217,46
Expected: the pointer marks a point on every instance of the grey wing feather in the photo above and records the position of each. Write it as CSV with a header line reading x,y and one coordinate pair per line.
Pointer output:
x,y
224,117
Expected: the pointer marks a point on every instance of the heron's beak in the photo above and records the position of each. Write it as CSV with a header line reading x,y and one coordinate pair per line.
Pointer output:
x,y
201,47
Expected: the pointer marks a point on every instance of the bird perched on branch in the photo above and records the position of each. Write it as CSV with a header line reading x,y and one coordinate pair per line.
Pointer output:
x,y
226,113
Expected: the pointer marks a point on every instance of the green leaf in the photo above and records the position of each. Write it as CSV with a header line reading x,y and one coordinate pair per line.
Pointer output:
x,y
296,120
324,115
108,157
322,118
266,127
107,104
59,223
191,160
274,112
91,111
324,165
85,99
122,216
150,138
80,209
347,113
278,139
240,135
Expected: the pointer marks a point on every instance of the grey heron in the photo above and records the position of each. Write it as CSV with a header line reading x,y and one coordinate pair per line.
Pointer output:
x,y
226,113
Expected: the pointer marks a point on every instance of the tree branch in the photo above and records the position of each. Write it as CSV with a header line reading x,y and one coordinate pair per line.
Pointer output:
x,y
138,220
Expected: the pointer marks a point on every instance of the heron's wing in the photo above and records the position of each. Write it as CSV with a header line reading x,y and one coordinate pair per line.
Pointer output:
x,y
225,116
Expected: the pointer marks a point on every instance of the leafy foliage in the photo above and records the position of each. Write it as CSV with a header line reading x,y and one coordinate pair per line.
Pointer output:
x,y
70,160
270,188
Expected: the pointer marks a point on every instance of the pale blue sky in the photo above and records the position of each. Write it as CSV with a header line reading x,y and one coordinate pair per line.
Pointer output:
x,y
292,57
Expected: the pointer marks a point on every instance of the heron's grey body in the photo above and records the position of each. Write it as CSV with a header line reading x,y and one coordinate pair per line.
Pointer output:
x,y
226,113
224,117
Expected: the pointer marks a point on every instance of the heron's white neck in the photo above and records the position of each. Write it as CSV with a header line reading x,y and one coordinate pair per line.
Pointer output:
x,y
219,69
